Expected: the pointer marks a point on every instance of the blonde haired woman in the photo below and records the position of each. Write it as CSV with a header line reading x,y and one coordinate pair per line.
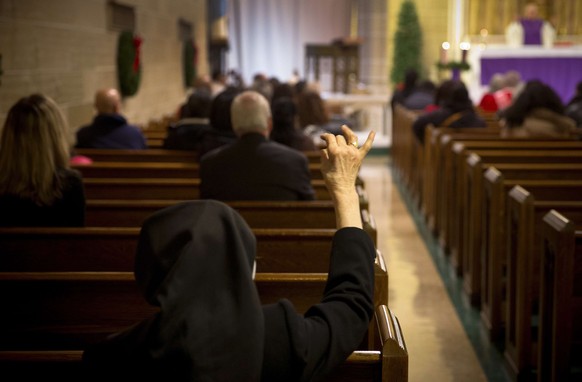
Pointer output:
x,y
37,186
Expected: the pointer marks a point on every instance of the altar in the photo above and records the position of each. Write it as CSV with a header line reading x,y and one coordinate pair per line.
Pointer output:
x,y
558,67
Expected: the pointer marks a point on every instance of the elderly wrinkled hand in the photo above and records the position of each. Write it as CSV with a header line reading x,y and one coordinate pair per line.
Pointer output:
x,y
342,158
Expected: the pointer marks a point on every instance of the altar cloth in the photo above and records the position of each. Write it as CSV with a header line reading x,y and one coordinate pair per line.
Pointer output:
x,y
560,68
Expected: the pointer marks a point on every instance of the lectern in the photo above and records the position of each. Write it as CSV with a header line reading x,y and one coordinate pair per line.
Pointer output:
x,y
345,63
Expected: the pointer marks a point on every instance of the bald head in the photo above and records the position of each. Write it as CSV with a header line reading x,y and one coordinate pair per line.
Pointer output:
x,y
107,101
531,11
251,113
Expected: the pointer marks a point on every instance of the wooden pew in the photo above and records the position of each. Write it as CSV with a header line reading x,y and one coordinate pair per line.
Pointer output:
x,y
464,217
159,155
113,250
173,189
388,363
444,144
402,141
523,273
149,155
452,178
258,214
156,170
155,133
497,182
436,140
559,335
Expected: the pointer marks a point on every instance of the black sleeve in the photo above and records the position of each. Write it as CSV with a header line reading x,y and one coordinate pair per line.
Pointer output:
x,y
331,330
74,198
306,191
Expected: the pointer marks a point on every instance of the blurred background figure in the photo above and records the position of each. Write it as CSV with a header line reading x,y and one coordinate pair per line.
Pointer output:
x,y
37,185
110,129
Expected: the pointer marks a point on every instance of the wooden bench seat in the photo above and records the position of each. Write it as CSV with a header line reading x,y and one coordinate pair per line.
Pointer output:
x,y
560,324
159,155
148,155
450,145
464,217
113,250
451,191
452,178
258,214
388,363
173,189
156,170
437,141
492,221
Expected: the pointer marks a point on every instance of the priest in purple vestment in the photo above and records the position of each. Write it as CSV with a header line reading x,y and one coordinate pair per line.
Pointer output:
x,y
530,29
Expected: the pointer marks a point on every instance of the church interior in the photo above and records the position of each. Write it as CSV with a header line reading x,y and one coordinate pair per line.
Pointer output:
x,y
479,230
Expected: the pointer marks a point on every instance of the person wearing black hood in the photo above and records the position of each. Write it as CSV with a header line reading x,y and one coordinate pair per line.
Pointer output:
x,y
195,261
457,111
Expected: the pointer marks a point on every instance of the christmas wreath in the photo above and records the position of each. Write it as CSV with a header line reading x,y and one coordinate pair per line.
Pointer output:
x,y
190,57
128,63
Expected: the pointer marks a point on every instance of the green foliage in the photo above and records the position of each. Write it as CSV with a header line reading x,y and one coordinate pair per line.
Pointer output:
x,y
128,76
407,43
453,65
189,57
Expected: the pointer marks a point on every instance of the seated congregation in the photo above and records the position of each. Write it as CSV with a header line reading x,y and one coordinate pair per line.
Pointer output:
x,y
197,290
502,198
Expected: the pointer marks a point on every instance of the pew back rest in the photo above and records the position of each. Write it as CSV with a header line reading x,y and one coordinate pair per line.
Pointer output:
x,y
361,365
113,249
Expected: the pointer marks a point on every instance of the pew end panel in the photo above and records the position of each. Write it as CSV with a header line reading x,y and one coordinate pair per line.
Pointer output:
x,y
560,331
394,350
525,217
491,254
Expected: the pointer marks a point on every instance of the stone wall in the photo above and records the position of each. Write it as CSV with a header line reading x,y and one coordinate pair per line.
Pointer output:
x,y
65,49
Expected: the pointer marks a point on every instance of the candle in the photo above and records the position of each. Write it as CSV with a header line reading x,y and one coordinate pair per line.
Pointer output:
x,y
465,46
444,49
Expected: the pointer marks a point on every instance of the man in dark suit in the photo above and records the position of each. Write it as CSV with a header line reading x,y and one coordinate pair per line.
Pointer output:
x,y
254,168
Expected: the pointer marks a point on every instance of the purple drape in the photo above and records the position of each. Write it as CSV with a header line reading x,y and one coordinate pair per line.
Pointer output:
x,y
561,73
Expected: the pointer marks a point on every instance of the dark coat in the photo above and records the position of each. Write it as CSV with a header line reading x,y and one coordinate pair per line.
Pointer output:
x,y
110,131
68,211
255,168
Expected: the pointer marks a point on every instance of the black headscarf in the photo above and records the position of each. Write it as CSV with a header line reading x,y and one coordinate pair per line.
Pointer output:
x,y
194,260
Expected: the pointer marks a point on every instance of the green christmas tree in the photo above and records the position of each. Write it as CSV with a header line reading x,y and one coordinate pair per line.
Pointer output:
x,y
407,42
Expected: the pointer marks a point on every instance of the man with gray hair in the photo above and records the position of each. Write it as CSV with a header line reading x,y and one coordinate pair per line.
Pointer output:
x,y
253,167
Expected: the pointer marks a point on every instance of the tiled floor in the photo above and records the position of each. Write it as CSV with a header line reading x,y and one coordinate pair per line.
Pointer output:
x,y
438,344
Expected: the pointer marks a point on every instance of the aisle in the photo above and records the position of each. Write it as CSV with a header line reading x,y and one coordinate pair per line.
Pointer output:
x,y
439,349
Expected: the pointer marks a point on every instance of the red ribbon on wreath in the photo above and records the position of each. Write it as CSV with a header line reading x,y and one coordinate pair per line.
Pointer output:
x,y
137,45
